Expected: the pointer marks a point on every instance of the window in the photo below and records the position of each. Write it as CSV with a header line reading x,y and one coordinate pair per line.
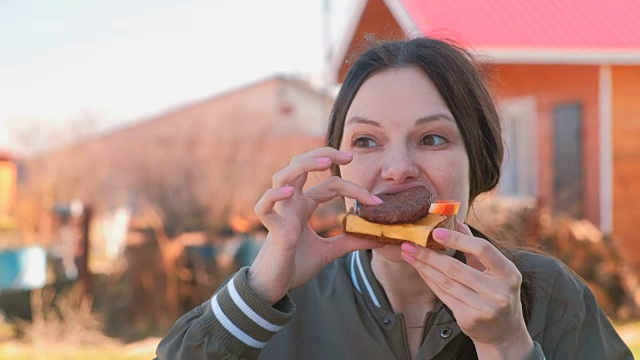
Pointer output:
x,y
520,168
567,154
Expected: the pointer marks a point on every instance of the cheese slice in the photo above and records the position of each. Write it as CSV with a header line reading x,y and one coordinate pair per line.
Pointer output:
x,y
417,232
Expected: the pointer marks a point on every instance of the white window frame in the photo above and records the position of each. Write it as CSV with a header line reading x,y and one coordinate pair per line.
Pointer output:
x,y
520,131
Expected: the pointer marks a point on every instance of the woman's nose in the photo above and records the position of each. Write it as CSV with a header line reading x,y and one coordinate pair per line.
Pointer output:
x,y
400,167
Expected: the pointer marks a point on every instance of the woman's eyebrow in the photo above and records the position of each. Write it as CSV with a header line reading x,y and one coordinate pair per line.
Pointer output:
x,y
360,120
425,119
434,117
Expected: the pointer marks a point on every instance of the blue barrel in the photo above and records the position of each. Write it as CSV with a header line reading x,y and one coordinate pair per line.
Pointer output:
x,y
23,268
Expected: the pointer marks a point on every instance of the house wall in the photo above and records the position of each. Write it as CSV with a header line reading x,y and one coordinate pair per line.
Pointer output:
x,y
376,19
549,85
626,159
553,85
221,151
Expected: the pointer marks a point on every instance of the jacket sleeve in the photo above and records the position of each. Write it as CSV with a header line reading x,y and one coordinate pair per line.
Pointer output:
x,y
591,336
234,324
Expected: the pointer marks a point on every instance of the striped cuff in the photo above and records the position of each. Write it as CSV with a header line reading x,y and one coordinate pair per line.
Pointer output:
x,y
242,320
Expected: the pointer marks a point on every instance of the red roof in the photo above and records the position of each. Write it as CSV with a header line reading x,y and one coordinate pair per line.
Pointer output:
x,y
537,24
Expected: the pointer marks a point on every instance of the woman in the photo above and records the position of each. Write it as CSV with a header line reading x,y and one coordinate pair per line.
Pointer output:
x,y
410,113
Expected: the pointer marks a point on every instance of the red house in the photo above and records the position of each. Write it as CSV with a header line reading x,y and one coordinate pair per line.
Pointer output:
x,y
567,78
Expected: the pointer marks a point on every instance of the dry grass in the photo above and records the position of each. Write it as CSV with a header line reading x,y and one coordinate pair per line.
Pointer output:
x,y
19,350
630,333
71,349
65,319
66,328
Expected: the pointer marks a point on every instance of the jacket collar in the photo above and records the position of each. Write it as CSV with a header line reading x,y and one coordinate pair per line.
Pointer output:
x,y
359,269
443,327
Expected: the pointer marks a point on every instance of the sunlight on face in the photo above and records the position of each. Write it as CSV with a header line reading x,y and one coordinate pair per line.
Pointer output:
x,y
402,134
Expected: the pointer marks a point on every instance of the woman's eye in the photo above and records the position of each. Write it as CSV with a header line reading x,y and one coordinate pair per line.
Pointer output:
x,y
364,142
433,140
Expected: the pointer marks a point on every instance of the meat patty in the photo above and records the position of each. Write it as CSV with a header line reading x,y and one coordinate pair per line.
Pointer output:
x,y
404,207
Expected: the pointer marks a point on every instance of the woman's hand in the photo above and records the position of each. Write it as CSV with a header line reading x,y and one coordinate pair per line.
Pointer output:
x,y
293,253
484,296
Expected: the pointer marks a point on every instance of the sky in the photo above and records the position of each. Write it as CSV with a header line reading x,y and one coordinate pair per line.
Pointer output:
x,y
99,65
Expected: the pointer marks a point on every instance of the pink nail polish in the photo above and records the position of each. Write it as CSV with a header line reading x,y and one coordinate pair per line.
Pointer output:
x,y
440,233
376,199
409,247
286,189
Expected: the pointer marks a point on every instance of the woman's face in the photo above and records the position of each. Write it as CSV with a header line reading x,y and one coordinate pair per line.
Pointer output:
x,y
402,134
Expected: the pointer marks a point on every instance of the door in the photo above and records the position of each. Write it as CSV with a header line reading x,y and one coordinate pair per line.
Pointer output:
x,y
568,182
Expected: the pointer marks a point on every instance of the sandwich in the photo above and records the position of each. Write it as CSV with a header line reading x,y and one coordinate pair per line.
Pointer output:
x,y
410,215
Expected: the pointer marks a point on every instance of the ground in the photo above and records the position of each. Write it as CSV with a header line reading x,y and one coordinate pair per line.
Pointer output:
x,y
17,350
145,349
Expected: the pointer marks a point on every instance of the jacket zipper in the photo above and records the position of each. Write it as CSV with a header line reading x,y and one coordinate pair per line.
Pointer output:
x,y
405,338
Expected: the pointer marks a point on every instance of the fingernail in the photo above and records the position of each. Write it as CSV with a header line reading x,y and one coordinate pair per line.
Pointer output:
x,y
345,154
286,189
408,247
407,257
376,199
323,160
440,233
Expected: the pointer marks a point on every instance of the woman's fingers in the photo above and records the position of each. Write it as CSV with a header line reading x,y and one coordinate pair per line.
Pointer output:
x,y
264,207
460,286
453,285
292,178
467,316
448,271
463,228
483,250
315,160
451,301
336,186
472,260
345,243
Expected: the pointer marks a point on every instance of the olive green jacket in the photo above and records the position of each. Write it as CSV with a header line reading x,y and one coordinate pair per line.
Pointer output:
x,y
343,313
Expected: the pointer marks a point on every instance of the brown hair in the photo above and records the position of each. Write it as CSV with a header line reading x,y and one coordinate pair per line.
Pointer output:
x,y
460,82
456,76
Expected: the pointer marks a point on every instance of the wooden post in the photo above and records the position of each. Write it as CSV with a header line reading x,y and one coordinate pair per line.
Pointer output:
x,y
84,273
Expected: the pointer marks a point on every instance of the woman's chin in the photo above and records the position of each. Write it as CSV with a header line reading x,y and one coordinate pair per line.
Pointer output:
x,y
390,253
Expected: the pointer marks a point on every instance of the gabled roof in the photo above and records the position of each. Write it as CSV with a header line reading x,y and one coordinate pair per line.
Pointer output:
x,y
509,31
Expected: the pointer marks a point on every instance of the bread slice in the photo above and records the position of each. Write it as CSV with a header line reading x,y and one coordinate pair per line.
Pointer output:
x,y
418,233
